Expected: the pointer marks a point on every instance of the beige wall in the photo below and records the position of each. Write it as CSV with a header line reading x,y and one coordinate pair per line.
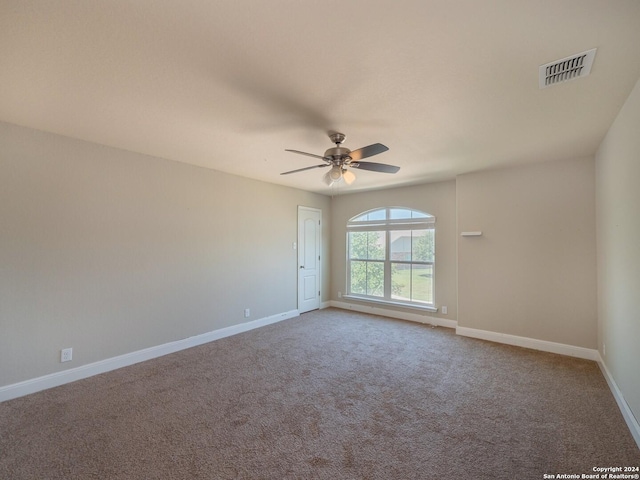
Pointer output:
x,y
110,252
618,220
533,271
438,199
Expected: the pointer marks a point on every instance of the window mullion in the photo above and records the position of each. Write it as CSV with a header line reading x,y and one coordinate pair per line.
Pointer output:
x,y
387,265
411,266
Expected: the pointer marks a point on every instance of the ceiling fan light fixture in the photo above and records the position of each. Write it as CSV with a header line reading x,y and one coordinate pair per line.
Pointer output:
x,y
335,173
348,176
326,178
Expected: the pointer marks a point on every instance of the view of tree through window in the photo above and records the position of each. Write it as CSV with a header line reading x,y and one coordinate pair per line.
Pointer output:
x,y
391,255
367,263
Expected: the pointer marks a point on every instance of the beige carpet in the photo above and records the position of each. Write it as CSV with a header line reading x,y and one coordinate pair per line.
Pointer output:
x,y
328,395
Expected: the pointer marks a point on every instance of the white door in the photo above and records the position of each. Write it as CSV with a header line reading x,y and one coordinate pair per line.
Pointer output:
x,y
309,237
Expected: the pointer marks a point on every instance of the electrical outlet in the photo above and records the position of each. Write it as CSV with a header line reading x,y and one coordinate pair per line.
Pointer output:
x,y
604,350
66,355
247,313
445,310
339,294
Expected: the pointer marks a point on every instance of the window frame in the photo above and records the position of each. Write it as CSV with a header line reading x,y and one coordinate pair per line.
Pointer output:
x,y
388,225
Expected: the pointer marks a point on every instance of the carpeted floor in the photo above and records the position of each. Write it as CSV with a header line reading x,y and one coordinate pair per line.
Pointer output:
x,y
332,394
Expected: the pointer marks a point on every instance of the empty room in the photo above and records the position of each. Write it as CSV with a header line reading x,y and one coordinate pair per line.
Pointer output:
x,y
313,239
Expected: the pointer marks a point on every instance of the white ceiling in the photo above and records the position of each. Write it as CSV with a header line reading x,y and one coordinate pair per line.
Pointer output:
x,y
449,86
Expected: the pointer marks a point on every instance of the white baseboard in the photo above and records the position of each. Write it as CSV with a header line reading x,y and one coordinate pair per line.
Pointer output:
x,y
67,376
385,312
534,344
543,345
629,417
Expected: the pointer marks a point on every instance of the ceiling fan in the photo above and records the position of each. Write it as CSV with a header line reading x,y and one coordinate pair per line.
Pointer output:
x,y
341,158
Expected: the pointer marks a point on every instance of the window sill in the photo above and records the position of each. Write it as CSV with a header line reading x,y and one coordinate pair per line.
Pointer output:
x,y
393,303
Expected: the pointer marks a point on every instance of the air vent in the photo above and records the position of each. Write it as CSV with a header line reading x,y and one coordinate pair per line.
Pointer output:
x,y
570,68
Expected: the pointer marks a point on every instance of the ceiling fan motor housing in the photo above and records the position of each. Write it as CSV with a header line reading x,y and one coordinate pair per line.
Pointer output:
x,y
338,155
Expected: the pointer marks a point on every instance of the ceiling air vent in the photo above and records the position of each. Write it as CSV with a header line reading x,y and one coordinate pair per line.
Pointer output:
x,y
570,68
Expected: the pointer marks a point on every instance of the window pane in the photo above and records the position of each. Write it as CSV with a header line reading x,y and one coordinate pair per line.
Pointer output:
x,y
394,214
422,245
422,283
412,283
397,213
400,245
380,214
375,279
376,245
401,281
358,245
367,245
367,278
358,284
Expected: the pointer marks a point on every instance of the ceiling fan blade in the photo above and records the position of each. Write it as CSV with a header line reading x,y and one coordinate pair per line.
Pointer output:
x,y
306,168
375,167
308,155
369,151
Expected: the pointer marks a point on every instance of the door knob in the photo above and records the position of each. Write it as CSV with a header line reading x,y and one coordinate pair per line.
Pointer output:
x,y
301,266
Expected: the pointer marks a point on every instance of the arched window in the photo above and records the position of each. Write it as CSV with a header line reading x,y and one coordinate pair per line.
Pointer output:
x,y
391,255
